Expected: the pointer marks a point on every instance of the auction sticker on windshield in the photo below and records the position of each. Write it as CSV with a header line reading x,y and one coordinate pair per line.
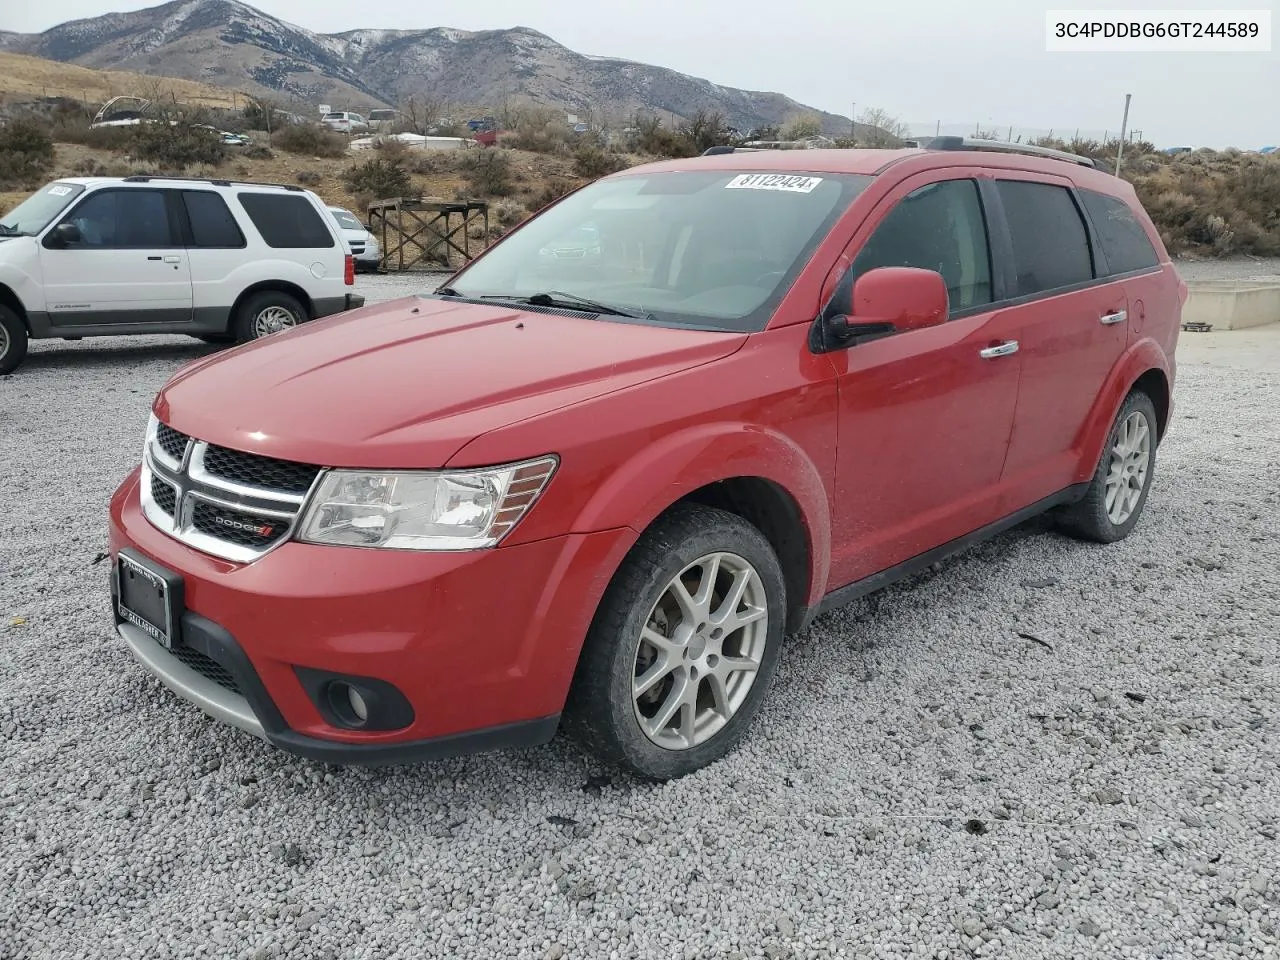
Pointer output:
x,y
773,181
59,191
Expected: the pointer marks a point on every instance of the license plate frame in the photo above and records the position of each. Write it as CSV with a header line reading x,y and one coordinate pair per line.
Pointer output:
x,y
149,597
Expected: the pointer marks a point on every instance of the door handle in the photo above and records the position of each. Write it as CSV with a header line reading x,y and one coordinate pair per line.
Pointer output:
x,y
999,350
1119,316
172,259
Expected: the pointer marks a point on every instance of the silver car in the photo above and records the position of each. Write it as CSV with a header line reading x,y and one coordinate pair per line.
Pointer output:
x,y
364,245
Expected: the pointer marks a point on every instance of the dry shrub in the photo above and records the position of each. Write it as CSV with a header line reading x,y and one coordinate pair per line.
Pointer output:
x,y
539,131
591,163
550,192
382,178
176,146
309,140
309,178
489,173
26,153
1213,204
508,213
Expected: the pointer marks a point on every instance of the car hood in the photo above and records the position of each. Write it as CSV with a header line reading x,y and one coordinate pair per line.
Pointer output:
x,y
408,383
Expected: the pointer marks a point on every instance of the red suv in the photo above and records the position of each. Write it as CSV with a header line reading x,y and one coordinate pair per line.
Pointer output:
x,y
603,473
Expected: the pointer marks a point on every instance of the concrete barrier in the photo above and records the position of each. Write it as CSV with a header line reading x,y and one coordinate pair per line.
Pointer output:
x,y
1232,304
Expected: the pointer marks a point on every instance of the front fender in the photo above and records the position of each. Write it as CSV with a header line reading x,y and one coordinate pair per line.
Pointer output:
x,y
1141,357
657,476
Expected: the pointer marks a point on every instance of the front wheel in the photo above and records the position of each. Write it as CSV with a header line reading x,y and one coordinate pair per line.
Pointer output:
x,y
1118,491
684,646
13,340
266,313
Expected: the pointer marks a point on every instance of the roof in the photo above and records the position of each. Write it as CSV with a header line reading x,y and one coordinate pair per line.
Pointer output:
x,y
143,180
904,162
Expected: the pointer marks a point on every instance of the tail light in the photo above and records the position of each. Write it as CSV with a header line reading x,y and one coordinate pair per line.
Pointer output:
x,y
349,271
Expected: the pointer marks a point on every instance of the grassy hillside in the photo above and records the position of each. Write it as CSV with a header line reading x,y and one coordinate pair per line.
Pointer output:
x,y
24,78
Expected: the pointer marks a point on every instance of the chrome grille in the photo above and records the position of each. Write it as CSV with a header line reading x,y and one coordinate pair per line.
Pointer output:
x,y
223,502
164,495
260,471
172,442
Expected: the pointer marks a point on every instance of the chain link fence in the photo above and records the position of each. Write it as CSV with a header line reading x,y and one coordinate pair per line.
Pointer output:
x,y
1016,134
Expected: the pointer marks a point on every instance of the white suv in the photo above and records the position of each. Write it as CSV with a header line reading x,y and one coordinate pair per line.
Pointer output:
x,y
220,260
342,121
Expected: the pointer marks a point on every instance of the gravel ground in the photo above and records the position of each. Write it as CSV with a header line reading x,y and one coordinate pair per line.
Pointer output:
x,y
1042,749
1243,268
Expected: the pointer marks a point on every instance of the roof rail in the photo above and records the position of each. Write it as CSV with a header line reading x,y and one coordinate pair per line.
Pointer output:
x,y
716,151
216,181
1003,146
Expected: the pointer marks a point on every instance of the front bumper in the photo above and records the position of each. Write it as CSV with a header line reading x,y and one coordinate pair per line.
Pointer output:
x,y
481,644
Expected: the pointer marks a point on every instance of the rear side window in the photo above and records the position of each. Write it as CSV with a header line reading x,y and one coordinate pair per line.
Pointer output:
x,y
1050,243
212,225
937,227
1124,242
286,221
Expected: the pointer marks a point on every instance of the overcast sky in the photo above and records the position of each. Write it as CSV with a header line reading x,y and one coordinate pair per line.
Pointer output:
x,y
956,62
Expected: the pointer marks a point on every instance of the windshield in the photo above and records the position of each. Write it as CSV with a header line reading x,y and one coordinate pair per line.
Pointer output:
x,y
335,116
39,210
707,249
346,220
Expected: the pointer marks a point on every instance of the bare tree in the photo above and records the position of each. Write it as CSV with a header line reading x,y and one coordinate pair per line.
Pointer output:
x,y
705,128
803,127
422,112
881,129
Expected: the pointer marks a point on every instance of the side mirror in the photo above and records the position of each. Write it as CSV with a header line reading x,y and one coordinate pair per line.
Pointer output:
x,y
907,298
63,234
890,300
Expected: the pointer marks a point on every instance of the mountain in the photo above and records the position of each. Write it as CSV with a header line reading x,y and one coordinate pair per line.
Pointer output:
x,y
233,45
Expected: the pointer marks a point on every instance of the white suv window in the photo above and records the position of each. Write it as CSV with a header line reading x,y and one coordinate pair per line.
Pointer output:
x,y
286,220
124,218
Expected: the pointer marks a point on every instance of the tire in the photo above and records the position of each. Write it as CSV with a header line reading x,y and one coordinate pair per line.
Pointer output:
x,y
253,319
602,712
13,340
1134,454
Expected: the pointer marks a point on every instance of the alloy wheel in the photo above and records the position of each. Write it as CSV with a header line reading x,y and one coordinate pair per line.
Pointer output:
x,y
272,320
1129,467
699,651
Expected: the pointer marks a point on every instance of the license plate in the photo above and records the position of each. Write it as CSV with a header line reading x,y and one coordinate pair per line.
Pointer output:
x,y
148,596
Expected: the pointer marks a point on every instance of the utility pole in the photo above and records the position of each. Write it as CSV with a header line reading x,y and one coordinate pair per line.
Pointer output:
x,y
1124,125
853,123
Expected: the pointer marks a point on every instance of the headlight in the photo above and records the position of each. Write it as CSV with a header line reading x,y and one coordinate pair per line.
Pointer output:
x,y
418,510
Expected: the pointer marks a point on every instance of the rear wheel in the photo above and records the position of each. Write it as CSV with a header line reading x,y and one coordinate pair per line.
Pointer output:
x,y
13,340
265,313
684,646
1118,491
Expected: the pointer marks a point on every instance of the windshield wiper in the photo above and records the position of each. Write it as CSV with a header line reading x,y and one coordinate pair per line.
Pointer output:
x,y
447,292
571,301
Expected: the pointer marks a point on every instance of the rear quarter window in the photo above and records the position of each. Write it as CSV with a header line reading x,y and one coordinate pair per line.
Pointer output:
x,y
212,225
286,221
1123,239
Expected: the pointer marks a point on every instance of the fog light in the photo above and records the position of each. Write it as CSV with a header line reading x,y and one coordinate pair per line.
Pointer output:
x,y
358,706
347,703
356,703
